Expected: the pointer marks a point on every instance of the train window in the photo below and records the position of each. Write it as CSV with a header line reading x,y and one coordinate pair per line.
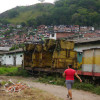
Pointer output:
x,y
80,53
20,55
52,35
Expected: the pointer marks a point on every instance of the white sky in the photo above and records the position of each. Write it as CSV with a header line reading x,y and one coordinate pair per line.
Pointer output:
x,y
8,4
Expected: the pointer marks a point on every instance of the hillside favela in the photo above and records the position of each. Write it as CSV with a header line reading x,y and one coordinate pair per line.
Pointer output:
x,y
50,50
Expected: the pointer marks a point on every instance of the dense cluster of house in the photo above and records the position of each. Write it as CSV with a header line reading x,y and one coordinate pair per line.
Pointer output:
x,y
17,34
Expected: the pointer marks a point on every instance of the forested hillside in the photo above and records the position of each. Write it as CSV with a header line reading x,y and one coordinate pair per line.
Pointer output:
x,y
26,14
81,12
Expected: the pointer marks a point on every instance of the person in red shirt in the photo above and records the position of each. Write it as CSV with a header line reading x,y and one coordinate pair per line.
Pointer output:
x,y
69,76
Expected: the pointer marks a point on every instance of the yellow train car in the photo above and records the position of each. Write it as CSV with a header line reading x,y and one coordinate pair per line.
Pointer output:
x,y
53,54
91,62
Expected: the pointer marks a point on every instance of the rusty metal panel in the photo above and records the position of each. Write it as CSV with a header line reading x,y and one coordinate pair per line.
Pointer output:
x,y
30,47
63,63
49,44
73,54
36,59
27,59
38,48
52,53
67,44
60,54
47,59
42,59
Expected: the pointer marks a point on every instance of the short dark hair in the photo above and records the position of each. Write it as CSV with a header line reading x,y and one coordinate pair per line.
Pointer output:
x,y
70,66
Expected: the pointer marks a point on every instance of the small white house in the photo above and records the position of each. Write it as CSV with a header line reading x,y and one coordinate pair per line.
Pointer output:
x,y
12,58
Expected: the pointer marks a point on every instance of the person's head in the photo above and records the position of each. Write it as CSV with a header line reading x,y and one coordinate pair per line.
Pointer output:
x,y
69,66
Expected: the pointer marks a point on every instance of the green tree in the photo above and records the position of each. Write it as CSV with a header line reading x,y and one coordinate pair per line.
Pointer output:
x,y
13,14
23,24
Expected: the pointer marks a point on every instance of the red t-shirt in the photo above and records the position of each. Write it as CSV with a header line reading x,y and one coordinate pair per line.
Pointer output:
x,y
69,74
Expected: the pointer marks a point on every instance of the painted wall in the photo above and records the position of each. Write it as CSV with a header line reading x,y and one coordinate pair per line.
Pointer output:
x,y
80,47
91,60
8,59
63,35
53,37
79,57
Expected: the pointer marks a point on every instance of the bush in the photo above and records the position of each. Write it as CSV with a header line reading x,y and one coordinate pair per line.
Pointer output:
x,y
13,71
4,70
56,80
18,72
52,80
83,86
97,90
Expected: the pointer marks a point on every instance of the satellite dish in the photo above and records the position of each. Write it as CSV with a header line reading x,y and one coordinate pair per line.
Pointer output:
x,y
41,1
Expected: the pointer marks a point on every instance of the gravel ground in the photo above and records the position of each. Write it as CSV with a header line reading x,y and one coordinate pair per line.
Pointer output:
x,y
58,91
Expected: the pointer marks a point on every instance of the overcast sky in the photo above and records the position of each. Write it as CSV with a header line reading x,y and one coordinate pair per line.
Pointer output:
x,y
8,4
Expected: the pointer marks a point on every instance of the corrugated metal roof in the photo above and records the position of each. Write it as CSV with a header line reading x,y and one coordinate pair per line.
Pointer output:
x,y
85,40
15,51
4,48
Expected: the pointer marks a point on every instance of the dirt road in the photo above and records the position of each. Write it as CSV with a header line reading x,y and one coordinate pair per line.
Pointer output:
x,y
58,91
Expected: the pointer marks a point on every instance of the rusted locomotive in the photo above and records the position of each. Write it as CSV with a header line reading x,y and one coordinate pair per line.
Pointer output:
x,y
50,56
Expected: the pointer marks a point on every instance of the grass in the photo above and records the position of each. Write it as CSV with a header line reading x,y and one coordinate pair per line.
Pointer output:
x,y
13,71
29,14
52,79
5,70
28,94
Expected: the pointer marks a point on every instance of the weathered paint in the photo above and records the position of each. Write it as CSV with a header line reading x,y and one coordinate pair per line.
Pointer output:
x,y
87,67
8,59
91,61
79,72
79,59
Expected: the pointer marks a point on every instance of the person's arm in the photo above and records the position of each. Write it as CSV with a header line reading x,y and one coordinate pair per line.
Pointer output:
x,y
64,75
78,77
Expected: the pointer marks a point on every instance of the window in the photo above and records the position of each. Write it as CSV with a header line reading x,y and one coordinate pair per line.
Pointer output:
x,y
20,55
80,53
52,35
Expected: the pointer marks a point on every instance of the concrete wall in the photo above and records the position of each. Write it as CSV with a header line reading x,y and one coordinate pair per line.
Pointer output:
x,y
53,37
63,35
8,59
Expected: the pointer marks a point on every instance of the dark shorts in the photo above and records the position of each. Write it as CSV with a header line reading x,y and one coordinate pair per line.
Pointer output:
x,y
69,84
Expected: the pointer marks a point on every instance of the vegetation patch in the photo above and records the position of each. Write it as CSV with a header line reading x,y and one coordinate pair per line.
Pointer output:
x,y
13,71
58,80
27,94
50,79
78,12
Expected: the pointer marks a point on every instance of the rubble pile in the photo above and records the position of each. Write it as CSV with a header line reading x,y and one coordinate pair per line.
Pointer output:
x,y
15,87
